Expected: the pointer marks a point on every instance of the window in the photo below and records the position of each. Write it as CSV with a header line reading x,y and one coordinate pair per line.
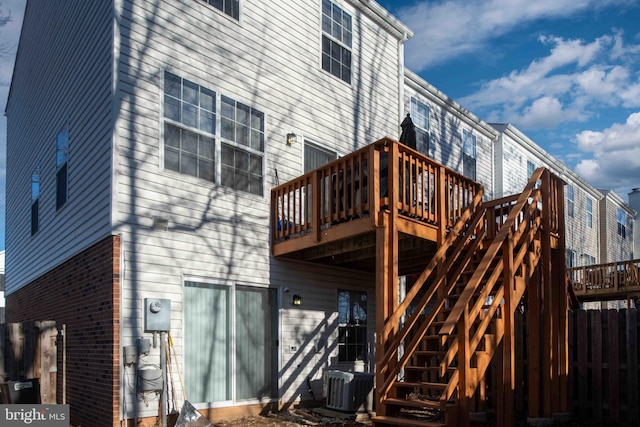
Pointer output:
x,y
230,7
589,259
589,212
192,142
571,258
352,325
229,329
570,200
621,217
35,197
468,154
336,41
62,168
316,156
531,168
420,116
243,146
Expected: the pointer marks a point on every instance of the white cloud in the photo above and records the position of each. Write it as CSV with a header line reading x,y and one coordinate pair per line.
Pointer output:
x,y
576,74
615,155
451,28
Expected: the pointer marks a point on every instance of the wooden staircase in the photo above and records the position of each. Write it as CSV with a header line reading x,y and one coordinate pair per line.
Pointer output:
x,y
439,341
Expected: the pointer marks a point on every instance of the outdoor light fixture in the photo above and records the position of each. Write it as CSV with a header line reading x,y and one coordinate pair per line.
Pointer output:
x,y
160,223
297,300
292,138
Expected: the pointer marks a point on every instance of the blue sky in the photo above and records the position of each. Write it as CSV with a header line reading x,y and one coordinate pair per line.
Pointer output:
x,y
565,72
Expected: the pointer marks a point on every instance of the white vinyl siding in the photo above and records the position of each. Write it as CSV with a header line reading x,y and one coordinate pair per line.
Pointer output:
x,y
516,155
215,231
70,90
446,122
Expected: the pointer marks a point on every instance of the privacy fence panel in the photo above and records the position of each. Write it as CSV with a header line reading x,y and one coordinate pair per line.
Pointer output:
x,y
28,351
603,362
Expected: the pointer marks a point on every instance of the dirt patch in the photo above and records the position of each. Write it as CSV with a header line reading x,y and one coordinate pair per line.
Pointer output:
x,y
298,417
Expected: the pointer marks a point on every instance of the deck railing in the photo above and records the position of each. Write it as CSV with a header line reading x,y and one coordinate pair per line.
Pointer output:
x,y
343,190
614,276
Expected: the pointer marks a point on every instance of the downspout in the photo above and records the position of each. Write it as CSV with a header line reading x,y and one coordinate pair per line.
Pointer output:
x,y
401,42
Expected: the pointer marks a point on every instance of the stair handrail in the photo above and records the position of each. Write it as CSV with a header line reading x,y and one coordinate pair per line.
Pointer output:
x,y
491,253
465,243
526,211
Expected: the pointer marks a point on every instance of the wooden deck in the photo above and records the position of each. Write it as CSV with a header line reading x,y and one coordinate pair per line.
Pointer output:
x,y
330,215
607,282
470,265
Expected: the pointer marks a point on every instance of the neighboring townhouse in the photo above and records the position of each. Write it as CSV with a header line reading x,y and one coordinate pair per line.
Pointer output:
x,y
143,140
634,202
450,134
616,228
516,156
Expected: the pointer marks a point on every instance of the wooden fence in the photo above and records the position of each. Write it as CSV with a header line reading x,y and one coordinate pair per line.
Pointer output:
x,y
603,361
28,351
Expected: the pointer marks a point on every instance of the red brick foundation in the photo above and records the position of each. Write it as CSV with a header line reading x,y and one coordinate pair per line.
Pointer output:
x,y
82,293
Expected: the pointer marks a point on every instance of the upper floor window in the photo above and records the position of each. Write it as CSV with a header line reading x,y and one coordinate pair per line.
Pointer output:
x,y
230,7
571,258
531,168
192,142
589,212
621,217
420,116
35,198
336,41
352,325
316,156
62,168
570,200
468,154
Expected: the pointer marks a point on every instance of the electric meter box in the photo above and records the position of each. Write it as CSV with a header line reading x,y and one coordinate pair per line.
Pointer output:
x,y
157,314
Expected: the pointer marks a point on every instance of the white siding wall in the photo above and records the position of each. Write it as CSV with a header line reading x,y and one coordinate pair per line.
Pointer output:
x,y
614,246
269,60
512,174
62,43
447,120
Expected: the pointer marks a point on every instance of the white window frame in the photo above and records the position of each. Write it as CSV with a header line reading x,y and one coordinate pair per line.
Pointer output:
x,y
347,325
469,153
35,200
570,200
621,220
232,286
62,167
589,214
337,36
218,137
422,124
222,7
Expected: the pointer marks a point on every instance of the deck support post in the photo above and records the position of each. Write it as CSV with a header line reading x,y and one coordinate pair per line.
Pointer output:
x,y
386,274
505,413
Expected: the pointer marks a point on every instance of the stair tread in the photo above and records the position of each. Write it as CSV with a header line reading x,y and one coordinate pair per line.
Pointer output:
x,y
419,384
429,368
405,422
415,403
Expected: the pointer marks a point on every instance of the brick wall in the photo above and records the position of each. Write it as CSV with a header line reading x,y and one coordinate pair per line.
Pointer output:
x,y
84,294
